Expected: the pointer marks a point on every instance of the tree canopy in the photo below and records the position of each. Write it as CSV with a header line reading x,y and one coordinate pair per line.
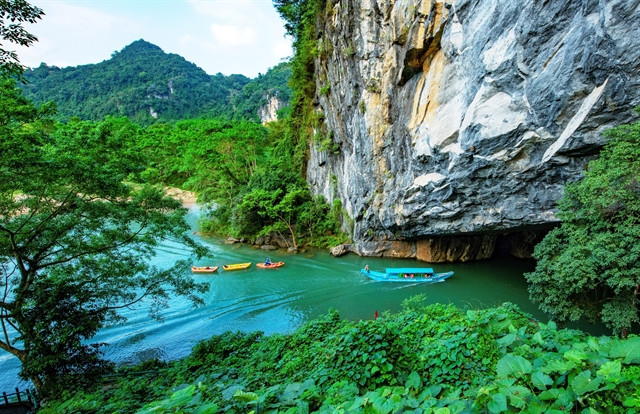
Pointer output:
x,y
590,266
75,238
12,14
147,85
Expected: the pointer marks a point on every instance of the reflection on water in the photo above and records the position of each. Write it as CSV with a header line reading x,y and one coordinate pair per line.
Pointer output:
x,y
280,300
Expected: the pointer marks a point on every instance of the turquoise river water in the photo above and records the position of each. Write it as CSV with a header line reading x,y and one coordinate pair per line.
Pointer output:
x,y
280,300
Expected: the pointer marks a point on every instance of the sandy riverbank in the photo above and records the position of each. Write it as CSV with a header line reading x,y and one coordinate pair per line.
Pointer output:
x,y
188,198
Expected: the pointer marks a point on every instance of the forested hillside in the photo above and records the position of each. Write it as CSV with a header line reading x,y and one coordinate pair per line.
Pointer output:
x,y
146,84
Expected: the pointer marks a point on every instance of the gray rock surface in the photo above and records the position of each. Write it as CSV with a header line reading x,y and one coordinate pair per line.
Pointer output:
x,y
459,121
269,112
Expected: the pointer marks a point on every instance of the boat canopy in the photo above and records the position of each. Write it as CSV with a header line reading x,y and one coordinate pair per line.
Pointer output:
x,y
408,270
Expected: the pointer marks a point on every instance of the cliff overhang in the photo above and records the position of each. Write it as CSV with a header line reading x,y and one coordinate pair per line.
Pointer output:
x,y
457,123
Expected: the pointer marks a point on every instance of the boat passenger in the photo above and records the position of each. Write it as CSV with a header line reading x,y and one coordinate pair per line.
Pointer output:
x,y
267,262
366,268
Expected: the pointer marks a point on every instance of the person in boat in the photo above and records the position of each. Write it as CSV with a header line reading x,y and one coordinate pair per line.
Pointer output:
x,y
366,268
267,262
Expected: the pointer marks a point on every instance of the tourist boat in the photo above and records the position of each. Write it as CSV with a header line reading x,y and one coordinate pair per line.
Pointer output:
x,y
270,265
204,269
406,274
236,266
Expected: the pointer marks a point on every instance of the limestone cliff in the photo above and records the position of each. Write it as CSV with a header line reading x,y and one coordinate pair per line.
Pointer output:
x,y
269,112
456,123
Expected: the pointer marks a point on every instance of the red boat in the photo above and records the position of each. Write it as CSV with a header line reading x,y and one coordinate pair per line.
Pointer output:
x,y
270,265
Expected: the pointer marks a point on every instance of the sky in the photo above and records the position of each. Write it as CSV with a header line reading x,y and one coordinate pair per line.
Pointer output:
x,y
220,36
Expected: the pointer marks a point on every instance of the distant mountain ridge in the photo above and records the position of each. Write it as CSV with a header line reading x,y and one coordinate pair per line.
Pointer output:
x,y
147,85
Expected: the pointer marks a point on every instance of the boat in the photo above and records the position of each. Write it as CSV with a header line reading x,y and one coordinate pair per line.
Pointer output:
x,y
236,266
270,265
204,269
406,274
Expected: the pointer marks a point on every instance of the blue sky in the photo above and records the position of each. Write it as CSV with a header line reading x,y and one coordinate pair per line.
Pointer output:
x,y
226,36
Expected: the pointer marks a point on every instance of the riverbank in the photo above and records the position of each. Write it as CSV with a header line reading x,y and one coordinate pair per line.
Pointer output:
x,y
434,358
188,198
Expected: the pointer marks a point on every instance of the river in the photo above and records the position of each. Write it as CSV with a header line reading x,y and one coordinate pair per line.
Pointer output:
x,y
280,300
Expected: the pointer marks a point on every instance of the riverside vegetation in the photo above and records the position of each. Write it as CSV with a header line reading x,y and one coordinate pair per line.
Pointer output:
x,y
434,359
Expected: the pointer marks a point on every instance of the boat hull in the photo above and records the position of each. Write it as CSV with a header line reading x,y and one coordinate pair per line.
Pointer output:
x,y
270,265
236,266
204,269
403,277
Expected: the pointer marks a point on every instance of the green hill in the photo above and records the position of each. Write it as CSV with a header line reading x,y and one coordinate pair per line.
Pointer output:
x,y
146,84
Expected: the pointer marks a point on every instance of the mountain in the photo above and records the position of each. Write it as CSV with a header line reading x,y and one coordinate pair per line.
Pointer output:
x,y
455,125
146,84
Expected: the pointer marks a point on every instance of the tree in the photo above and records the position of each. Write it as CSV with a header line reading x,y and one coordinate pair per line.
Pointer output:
x,y
590,265
280,211
17,12
75,239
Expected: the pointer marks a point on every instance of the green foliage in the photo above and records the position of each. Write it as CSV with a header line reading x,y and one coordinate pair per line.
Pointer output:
x,y
589,267
434,359
325,89
255,93
17,12
280,202
349,51
230,164
300,22
373,86
147,85
75,238
563,370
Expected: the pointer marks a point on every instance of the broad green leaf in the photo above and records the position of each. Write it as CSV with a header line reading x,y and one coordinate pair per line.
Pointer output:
x,y
583,383
498,403
559,365
550,395
210,408
507,340
541,380
245,397
610,368
229,392
627,349
181,397
537,337
513,365
291,392
413,381
575,355
518,395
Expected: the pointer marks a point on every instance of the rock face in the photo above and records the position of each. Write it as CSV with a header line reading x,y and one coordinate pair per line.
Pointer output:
x,y
458,122
269,112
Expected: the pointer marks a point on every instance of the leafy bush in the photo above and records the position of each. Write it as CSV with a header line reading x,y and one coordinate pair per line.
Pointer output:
x,y
434,359
588,267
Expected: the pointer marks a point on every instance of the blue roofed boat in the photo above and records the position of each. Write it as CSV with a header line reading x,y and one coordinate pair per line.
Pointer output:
x,y
406,274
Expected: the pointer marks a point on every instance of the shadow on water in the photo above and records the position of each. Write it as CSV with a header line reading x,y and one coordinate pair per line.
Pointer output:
x,y
280,300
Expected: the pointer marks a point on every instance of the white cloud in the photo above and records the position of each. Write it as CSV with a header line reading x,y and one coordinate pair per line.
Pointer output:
x,y
229,36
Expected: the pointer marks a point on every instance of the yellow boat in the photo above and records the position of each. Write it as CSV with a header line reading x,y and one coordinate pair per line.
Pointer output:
x,y
236,266
204,269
